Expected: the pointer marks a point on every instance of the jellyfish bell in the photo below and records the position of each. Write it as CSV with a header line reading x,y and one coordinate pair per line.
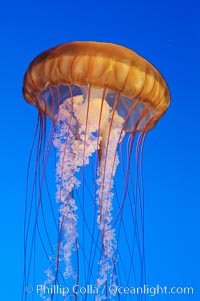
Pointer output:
x,y
95,94
99,65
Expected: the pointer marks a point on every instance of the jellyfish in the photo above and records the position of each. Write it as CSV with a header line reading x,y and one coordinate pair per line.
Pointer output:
x,y
84,236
